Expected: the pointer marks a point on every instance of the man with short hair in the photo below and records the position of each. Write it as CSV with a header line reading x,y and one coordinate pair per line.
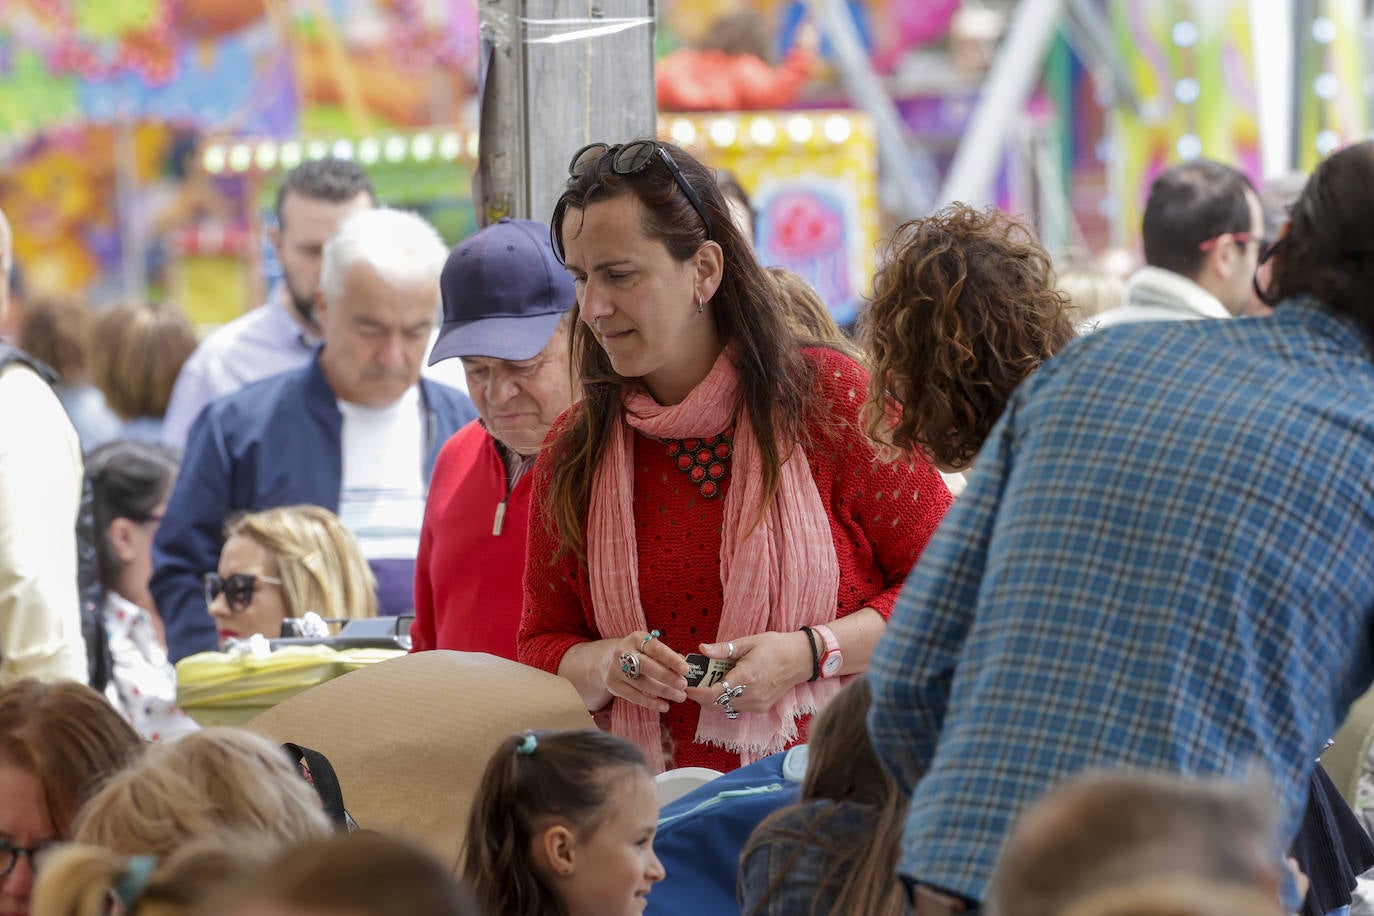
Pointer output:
x,y
356,430
1105,829
40,492
282,334
1202,232
508,307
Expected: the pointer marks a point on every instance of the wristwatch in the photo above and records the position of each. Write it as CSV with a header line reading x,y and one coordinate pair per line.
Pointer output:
x,y
832,659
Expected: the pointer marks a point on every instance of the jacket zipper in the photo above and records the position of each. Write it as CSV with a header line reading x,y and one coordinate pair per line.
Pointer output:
x,y
511,480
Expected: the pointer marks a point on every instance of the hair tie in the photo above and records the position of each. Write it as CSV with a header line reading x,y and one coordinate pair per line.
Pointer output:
x,y
133,880
527,745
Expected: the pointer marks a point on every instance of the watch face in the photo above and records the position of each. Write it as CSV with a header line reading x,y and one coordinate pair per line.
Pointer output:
x,y
832,663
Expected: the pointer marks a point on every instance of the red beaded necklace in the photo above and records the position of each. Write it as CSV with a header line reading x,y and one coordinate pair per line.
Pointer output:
x,y
704,460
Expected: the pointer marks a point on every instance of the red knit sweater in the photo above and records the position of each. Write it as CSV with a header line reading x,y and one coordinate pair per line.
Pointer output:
x,y
881,516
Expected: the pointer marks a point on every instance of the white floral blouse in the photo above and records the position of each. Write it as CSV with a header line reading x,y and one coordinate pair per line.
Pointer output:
x,y
144,687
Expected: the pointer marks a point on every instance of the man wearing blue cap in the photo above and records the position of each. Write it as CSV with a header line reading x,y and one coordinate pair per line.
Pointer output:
x,y
508,305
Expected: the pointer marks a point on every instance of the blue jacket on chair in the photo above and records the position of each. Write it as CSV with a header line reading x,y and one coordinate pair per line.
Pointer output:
x,y
276,442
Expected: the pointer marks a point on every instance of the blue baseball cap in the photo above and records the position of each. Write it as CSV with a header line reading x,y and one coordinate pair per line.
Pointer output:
x,y
504,293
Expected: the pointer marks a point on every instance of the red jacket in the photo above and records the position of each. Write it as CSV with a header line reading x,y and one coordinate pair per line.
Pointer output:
x,y
467,579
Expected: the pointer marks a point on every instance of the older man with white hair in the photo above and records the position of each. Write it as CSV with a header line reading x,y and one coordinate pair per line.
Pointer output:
x,y
356,431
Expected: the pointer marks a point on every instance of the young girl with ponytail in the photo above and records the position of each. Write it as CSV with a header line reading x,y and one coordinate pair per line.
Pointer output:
x,y
563,825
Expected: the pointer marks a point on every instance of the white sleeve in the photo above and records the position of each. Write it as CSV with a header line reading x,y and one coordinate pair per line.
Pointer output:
x,y
40,491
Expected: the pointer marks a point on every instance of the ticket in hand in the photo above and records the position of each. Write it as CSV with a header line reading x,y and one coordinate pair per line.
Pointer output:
x,y
704,671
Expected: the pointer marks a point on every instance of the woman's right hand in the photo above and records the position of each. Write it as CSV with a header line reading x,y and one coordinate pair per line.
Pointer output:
x,y
662,674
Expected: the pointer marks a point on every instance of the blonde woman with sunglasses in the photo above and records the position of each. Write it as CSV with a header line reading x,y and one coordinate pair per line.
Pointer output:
x,y
285,562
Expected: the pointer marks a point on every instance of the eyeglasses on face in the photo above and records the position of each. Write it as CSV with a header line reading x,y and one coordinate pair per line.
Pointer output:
x,y
9,856
238,589
633,158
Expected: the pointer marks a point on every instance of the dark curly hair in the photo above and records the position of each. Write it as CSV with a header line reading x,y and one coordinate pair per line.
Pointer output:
x,y
964,307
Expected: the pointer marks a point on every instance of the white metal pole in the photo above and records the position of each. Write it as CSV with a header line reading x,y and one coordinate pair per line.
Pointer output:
x,y
1009,83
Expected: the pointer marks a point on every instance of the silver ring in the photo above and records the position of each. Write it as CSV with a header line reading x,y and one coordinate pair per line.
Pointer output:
x,y
729,650
652,635
629,663
729,694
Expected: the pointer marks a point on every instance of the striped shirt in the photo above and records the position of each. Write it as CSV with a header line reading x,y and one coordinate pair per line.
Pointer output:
x,y
1164,559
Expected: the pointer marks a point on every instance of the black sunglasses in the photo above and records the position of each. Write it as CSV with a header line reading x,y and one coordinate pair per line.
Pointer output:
x,y
633,158
237,589
9,856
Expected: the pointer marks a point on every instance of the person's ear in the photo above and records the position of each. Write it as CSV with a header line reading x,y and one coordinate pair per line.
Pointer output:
x,y
274,236
321,308
558,846
123,542
709,264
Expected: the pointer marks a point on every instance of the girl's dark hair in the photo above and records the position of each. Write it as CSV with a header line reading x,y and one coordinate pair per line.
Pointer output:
x,y
567,776
964,308
775,380
129,479
843,767
68,738
1329,249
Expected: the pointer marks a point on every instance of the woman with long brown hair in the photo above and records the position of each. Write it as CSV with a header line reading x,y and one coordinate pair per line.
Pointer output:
x,y
712,492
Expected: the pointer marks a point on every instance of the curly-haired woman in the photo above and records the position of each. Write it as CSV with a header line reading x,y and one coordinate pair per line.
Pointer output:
x,y
964,308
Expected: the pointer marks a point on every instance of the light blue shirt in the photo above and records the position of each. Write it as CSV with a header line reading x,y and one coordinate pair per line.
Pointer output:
x,y
261,343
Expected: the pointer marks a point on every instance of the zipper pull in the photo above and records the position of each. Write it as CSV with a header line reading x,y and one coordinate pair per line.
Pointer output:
x,y
500,519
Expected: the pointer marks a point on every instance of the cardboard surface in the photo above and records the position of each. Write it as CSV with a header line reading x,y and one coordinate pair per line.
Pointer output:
x,y
409,737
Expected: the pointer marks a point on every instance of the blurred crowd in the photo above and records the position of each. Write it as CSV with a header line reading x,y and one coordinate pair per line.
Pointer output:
x,y
1040,592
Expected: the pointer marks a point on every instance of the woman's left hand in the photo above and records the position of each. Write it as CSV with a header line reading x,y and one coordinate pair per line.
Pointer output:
x,y
767,665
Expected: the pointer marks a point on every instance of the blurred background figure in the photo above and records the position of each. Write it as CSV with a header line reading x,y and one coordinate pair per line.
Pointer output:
x,y
1104,829
836,850
1202,230
57,331
40,496
214,781
58,744
284,563
732,68
361,874
129,482
1275,197
84,880
142,347
1091,290
807,314
311,202
741,207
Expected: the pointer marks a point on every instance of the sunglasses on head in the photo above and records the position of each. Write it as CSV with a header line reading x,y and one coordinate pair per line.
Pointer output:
x,y
238,589
633,158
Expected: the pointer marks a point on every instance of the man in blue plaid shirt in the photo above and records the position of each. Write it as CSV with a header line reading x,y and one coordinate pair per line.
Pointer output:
x,y
1164,559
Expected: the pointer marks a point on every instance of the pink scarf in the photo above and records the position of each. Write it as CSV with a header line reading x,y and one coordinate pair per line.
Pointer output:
x,y
780,576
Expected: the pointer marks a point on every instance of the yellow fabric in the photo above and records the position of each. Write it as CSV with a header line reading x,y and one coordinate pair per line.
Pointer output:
x,y
216,688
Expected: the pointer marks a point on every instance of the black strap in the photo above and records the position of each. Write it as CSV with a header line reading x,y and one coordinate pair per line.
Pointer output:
x,y
324,779
815,655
